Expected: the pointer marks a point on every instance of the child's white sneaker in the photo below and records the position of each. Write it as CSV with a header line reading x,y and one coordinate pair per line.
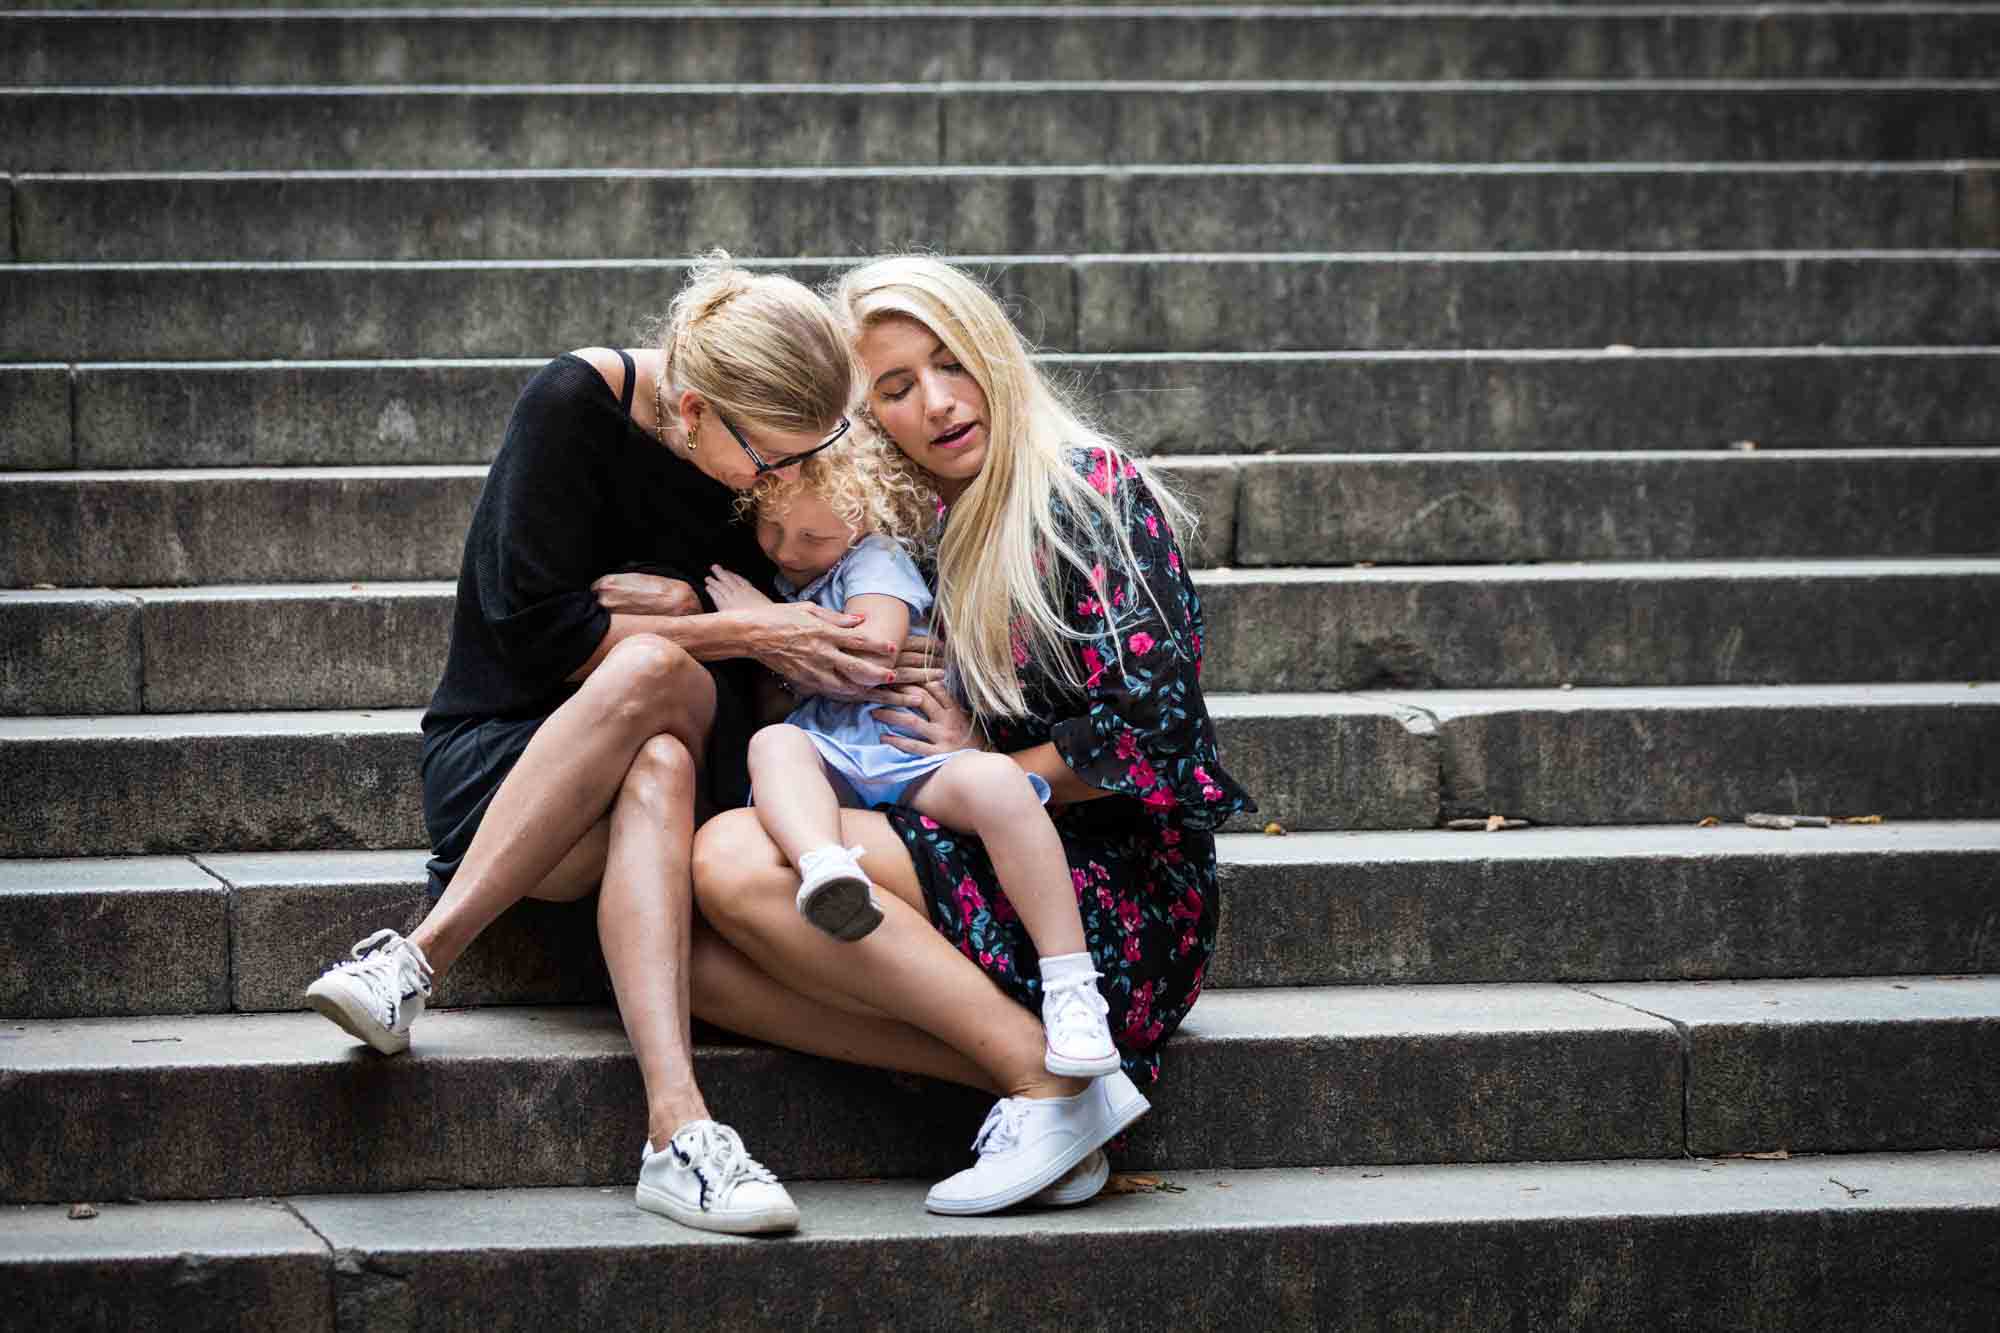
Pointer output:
x,y
704,1178
378,993
1073,1019
835,894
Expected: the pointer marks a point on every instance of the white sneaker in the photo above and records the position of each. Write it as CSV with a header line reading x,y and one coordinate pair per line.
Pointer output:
x,y
835,895
377,993
1027,1143
705,1179
1080,1184
1073,1020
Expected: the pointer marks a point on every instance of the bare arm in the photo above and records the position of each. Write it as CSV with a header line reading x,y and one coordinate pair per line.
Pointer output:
x,y
824,652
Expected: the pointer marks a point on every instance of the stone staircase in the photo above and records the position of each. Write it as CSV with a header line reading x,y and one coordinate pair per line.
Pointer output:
x,y
1461,324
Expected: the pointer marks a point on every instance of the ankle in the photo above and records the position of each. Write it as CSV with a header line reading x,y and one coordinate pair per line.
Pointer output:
x,y
1041,1084
667,1118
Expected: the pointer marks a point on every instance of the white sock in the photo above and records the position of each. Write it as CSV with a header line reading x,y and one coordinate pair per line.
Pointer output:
x,y
1068,967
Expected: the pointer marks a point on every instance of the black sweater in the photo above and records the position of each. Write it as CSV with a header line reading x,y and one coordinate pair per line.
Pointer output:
x,y
578,490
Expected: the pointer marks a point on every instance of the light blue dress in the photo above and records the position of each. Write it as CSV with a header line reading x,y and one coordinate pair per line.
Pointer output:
x,y
846,734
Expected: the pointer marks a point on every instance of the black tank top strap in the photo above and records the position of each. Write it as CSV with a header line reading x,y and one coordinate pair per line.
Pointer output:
x,y
631,377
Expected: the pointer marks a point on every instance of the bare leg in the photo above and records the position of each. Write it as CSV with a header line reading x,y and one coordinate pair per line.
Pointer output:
x,y
795,800
644,919
563,784
732,992
905,968
987,794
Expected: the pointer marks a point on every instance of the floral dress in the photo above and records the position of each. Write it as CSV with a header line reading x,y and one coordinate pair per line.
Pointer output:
x,y
1142,860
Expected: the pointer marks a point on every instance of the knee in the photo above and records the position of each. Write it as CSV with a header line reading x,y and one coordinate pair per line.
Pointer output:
x,y
737,868
662,774
656,685
998,783
778,744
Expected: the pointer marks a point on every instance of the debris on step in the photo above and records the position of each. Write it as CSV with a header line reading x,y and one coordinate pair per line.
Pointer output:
x,y
82,1212
1786,821
1489,824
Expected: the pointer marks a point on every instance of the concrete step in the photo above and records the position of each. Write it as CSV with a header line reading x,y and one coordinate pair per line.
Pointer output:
x,y
959,45
282,414
258,525
284,1103
248,931
998,210
206,782
1796,1246
991,123
1085,303
225,648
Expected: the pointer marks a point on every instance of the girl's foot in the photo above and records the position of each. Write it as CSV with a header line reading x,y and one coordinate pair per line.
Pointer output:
x,y
1073,1017
834,893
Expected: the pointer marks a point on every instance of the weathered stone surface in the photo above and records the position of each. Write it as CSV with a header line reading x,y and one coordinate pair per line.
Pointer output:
x,y
192,311
1702,623
1678,755
1210,488
238,781
34,417
1308,302
279,1103
705,48
1631,904
413,412
166,1266
130,936
1329,761
985,123
1845,1065
296,913
987,210
287,414
68,652
1979,208
1680,506
209,526
294,646
1448,401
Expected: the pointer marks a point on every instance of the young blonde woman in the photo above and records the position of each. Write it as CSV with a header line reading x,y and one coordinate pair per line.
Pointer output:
x,y
592,710
1075,629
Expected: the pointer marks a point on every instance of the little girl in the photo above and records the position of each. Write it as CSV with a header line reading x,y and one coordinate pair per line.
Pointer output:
x,y
833,530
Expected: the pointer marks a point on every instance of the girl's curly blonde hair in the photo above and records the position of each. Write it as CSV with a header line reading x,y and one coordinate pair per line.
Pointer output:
x,y
866,481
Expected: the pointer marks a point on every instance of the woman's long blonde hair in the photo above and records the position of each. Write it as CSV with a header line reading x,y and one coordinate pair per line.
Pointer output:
x,y
761,347
1001,558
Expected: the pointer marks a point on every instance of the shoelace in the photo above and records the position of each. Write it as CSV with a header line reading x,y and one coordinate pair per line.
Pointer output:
x,y
381,973
719,1149
1002,1129
1073,1008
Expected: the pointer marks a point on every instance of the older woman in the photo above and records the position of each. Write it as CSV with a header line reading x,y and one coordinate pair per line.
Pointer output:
x,y
590,712
1076,633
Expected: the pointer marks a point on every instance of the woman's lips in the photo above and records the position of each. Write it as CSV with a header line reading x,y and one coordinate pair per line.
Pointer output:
x,y
955,436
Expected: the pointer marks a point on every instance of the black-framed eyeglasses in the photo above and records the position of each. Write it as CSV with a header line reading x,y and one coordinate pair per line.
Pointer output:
x,y
762,466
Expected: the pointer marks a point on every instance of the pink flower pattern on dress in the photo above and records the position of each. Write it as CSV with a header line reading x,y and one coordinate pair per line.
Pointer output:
x,y
1142,862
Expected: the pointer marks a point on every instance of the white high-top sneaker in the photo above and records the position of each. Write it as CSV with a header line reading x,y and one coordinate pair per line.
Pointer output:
x,y
835,894
378,993
1073,1021
705,1178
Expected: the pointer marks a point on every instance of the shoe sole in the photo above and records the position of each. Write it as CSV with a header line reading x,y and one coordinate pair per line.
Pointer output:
x,y
1121,1118
741,1224
840,907
336,1006
1058,1064
1081,1190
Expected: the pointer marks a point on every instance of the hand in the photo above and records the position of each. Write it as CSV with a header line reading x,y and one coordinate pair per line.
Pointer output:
x,y
646,595
820,651
932,720
922,660
730,591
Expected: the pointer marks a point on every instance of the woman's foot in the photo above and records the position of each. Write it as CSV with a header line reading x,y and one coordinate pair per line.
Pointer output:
x,y
704,1178
1079,1040
835,894
1027,1143
1080,1184
378,993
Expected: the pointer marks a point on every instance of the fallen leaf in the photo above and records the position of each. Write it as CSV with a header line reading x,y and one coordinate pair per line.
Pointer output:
x,y
1274,829
1222,1185
81,1212
1124,1184
1859,819
1779,1155
1494,823
1708,821
43,587
1743,446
